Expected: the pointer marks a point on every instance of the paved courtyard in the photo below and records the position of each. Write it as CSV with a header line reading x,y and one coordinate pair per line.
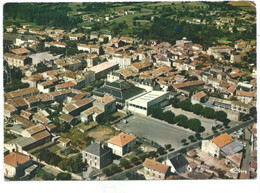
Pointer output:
x,y
155,130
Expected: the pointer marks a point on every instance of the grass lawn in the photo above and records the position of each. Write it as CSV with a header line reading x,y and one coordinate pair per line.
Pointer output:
x,y
84,128
39,148
54,148
117,116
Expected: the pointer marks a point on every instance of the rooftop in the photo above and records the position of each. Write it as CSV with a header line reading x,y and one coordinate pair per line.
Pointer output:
x,y
152,164
223,140
97,149
15,159
121,139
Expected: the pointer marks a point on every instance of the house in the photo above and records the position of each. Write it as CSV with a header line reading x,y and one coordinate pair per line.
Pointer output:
x,y
67,118
76,37
199,97
15,164
90,114
245,97
213,147
154,170
192,166
68,64
75,108
177,163
64,142
20,51
92,60
97,155
106,103
103,69
121,144
9,110
17,60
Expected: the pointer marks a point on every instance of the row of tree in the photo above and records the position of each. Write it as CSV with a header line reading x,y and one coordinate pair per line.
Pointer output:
x,y
198,109
180,120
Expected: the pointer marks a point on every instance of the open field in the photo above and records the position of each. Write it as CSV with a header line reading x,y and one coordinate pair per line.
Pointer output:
x,y
242,3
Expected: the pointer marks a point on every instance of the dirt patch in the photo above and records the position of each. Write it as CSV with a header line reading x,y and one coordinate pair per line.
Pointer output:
x,y
101,133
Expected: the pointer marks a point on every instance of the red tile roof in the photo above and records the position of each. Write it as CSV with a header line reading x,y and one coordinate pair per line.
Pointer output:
x,y
122,139
152,164
15,159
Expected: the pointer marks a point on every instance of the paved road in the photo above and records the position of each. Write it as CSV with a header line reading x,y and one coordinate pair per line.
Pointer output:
x,y
246,160
50,170
156,130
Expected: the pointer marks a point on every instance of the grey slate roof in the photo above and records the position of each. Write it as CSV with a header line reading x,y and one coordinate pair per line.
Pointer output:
x,y
22,141
178,161
232,148
97,149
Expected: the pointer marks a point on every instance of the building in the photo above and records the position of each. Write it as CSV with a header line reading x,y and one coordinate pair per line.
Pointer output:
x,y
121,144
154,170
120,89
106,103
90,114
97,155
75,108
17,60
15,164
177,163
103,69
198,97
213,147
184,42
143,102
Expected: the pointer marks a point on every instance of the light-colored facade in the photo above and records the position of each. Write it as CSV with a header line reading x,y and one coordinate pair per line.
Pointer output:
x,y
140,104
211,148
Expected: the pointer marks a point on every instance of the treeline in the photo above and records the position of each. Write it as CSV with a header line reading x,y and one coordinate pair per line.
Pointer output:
x,y
180,120
198,109
48,14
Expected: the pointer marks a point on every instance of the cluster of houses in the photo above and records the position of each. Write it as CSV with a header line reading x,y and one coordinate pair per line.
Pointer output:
x,y
137,76
221,147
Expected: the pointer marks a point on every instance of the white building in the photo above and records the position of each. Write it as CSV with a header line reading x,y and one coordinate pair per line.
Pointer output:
x,y
141,103
121,144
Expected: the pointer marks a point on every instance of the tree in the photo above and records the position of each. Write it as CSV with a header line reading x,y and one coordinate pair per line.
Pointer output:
x,y
197,135
194,124
160,150
175,102
168,146
208,112
197,109
191,138
142,156
181,120
63,176
186,105
168,116
106,171
156,112
124,163
184,141
114,168
221,115
134,160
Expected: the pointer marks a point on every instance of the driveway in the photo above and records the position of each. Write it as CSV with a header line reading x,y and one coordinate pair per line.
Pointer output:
x,y
156,130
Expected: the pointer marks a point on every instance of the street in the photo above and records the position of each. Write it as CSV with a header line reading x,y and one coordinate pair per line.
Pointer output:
x,y
246,160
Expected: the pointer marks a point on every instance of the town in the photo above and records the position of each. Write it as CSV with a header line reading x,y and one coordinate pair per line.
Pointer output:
x,y
130,91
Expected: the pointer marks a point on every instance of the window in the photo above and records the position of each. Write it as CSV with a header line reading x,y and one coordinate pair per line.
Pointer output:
x,y
153,174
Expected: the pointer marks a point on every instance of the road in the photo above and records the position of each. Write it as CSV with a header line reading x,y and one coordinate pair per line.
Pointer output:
x,y
175,152
246,160
156,130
